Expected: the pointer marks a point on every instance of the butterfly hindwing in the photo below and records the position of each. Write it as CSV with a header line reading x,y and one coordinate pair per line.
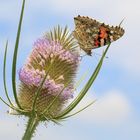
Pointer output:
x,y
92,34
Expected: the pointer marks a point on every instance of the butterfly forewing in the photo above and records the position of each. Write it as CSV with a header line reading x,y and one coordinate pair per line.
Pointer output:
x,y
92,34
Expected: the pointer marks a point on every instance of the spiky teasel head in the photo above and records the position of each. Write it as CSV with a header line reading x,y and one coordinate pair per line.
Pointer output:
x,y
47,78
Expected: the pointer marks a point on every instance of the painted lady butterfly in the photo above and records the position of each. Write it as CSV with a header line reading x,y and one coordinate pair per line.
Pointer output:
x,y
92,34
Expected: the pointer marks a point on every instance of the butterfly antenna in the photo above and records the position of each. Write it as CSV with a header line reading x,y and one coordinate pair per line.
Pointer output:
x,y
121,22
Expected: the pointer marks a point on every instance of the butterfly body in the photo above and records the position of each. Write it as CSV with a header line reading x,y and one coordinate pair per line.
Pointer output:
x,y
92,34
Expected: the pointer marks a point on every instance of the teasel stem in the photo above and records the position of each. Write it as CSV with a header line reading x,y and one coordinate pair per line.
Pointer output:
x,y
31,127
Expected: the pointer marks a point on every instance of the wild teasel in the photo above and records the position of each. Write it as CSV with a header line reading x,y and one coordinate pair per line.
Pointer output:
x,y
58,66
47,79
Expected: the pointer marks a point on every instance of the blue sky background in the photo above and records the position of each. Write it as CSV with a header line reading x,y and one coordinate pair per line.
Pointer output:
x,y
116,114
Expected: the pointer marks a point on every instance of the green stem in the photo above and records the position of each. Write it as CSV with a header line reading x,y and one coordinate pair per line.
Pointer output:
x,y
32,124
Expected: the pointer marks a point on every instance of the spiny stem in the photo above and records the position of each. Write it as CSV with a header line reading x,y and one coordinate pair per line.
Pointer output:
x,y
31,126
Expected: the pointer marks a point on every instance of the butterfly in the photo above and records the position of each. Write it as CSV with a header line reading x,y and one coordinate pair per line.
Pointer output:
x,y
92,34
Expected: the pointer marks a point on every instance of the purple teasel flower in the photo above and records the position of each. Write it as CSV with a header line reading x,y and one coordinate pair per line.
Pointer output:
x,y
60,65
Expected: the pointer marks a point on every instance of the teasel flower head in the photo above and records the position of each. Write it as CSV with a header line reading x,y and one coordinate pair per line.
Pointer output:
x,y
54,60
